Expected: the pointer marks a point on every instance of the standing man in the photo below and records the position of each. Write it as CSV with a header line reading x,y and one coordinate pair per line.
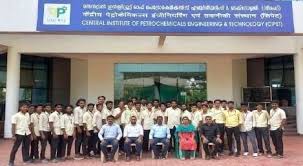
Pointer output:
x,y
147,122
262,130
110,134
219,118
159,133
160,111
118,114
97,123
247,130
107,111
35,132
233,120
100,100
80,134
55,120
133,133
45,131
196,116
277,122
88,127
68,129
185,112
21,134
172,119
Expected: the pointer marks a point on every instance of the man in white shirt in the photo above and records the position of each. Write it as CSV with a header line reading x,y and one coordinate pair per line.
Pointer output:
x,y
68,129
147,122
172,119
219,118
80,134
185,112
89,141
118,115
55,120
34,155
21,134
45,130
97,123
133,133
160,111
100,100
107,111
277,122
247,130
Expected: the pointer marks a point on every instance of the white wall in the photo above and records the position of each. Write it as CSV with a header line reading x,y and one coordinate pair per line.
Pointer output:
x,y
101,74
239,78
79,80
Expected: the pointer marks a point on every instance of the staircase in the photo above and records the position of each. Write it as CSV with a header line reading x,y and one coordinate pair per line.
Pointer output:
x,y
291,127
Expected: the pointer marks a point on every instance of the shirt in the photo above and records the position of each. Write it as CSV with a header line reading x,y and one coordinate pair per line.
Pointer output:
x,y
88,120
56,118
210,131
115,113
110,132
148,119
196,118
218,115
174,116
106,112
127,114
262,118
158,112
186,114
68,124
22,122
133,130
232,118
35,123
248,121
78,113
97,120
43,122
204,115
276,117
159,131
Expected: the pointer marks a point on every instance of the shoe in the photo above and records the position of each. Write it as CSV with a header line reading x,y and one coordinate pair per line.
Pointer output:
x,y
231,153
138,158
280,156
78,157
269,155
11,164
54,161
207,157
44,161
238,154
127,159
275,154
245,154
192,158
261,153
255,154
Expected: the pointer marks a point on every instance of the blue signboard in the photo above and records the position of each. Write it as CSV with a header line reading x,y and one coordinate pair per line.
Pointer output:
x,y
166,16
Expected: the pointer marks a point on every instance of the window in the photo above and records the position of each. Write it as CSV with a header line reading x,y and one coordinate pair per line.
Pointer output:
x,y
185,83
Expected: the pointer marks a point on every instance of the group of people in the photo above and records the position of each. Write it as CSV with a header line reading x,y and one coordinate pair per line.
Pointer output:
x,y
100,129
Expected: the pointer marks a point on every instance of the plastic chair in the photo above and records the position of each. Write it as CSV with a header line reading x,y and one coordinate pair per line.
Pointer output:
x,y
116,156
158,144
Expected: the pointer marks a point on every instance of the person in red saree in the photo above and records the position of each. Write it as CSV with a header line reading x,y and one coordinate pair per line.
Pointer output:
x,y
186,143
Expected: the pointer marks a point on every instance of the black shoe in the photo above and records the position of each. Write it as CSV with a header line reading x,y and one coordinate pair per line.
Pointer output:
x,y
237,154
275,154
231,153
11,164
207,157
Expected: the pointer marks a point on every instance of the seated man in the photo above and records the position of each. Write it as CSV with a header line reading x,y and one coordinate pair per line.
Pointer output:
x,y
109,134
210,134
133,134
159,133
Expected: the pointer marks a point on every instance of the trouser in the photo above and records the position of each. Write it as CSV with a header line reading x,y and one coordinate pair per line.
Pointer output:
x,y
252,139
230,132
262,133
57,147
25,140
146,140
89,142
96,144
80,141
206,147
48,138
109,153
128,148
221,127
121,141
67,146
35,148
172,138
277,139
157,151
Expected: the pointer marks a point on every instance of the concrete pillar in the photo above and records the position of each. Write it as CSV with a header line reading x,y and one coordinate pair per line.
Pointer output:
x,y
12,89
298,65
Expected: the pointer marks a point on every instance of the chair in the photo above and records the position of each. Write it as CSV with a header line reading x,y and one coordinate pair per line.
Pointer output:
x,y
210,147
116,157
134,145
158,144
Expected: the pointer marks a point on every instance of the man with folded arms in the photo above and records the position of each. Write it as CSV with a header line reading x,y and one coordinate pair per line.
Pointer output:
x,y
159,133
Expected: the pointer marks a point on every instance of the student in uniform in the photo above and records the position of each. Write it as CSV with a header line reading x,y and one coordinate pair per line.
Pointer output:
x,y
21,134
261,129
172,119
137,111
147,122
97,123
107,111
35,132
185,112
55,119
134,99
88,128
143,104
219,118
210,104
160,112
233,120
45,130
156,104
100,100
80,134
224,105
68,129
277,122
118,115
196,116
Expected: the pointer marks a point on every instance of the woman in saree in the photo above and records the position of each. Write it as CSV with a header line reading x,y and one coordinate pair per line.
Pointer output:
x,y
186,143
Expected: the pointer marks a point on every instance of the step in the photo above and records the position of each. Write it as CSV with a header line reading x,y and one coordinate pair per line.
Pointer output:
x,y
290,130
290,134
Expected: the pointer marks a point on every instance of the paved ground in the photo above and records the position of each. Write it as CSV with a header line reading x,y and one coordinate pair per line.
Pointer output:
x,y
293,157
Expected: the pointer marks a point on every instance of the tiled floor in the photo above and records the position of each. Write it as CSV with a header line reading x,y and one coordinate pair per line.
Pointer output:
x,y
293,157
